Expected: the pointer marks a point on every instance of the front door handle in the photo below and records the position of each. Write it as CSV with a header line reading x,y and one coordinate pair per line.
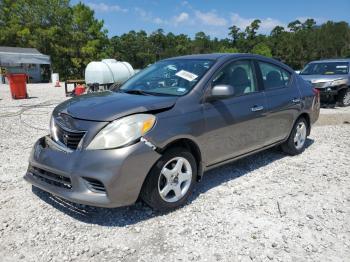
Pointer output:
x,y
296,100
257,108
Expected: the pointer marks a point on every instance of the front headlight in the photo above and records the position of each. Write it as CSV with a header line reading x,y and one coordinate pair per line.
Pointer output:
x,y
53,129
123,131
339,82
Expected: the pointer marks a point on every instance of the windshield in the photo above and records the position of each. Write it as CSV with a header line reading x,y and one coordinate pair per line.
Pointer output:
x,y
170,77
327,68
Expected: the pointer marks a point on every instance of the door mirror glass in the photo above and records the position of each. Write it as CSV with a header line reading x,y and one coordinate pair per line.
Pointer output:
x,y
221,92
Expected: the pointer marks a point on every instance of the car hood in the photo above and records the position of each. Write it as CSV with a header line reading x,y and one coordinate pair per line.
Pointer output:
x,y
108,106
322,78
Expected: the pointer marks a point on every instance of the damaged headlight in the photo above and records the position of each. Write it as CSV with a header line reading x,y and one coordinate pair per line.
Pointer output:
x,y
123,131
339,82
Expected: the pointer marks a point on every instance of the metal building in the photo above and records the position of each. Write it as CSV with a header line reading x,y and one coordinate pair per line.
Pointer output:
x,y
26,60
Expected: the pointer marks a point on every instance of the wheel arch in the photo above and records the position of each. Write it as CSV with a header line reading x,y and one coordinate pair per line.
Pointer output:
x,y
190,145
306,116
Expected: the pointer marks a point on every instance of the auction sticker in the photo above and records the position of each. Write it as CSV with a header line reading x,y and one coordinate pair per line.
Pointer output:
x,y
186,75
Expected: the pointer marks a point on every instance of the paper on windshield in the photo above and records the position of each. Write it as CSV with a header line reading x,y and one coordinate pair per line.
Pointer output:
x,y
186,75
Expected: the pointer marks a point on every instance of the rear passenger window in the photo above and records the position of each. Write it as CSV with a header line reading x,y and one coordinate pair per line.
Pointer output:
x,y
274,76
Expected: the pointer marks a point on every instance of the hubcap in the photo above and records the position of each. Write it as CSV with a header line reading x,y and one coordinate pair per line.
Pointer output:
x,y
300,136
175,179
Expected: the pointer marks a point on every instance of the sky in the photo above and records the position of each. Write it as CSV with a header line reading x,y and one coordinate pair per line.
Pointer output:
x,y
211,17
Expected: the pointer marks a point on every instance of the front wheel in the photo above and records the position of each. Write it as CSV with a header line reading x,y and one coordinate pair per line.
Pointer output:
x,y
296,141
344,97
170,181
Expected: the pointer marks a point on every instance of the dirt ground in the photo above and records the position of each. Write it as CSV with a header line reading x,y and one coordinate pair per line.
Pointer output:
x,y
267,207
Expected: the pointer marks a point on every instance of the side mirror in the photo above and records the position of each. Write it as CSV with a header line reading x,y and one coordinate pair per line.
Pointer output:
x,y
221,92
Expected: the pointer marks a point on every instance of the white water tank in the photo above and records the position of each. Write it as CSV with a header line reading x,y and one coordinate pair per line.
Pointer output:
x,y
108,71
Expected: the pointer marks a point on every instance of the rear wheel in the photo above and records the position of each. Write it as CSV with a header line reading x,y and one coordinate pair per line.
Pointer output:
x,y
296,141
344,97
170,181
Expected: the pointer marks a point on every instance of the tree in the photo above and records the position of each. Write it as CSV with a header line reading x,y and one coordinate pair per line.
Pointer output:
x,y
234,33
45,28
70,35
252,29
262,49
295,26
277,31
309,24
88,39
73,37
201,43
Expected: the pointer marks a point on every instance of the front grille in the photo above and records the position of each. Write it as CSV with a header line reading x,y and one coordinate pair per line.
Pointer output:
x,y
319,84
70,139
95,185
50,178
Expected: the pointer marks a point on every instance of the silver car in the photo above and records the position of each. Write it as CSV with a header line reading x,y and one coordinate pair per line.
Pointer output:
x,y
332,78
157,134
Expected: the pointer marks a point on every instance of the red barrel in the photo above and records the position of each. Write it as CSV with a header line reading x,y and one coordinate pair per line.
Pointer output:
x,y
79,89
18,85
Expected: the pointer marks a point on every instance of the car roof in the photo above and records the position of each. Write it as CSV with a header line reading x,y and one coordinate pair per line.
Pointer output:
x,y
332,60
227,56
214,56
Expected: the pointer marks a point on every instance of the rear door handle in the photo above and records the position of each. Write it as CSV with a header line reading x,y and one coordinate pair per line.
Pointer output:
x,y
296,100
257,108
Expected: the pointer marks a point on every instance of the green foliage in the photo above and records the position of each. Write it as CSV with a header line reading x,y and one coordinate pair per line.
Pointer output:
x,y
70,35
73,37
228,50
262,49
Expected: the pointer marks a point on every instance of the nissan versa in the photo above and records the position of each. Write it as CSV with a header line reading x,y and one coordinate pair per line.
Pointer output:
x,y
155,135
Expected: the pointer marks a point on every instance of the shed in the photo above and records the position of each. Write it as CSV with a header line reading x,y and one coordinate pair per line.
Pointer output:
x,y
26,60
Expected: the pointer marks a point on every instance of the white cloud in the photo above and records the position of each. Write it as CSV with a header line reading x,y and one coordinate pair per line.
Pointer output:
x,y
240,22
185,3
182,17
102,7
159,21
210,18
266,25
148,17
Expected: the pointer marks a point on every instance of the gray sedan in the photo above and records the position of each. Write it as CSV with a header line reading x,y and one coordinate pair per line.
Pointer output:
x,y
157,134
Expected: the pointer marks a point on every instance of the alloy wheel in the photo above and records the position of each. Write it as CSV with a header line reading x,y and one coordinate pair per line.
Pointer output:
x,y
300,136
175,179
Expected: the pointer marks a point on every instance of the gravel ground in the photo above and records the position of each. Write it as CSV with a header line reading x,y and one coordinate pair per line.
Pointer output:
x,y
266,207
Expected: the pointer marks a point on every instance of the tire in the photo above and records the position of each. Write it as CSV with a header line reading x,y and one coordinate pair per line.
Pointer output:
x,y
157,182
344,97
293,147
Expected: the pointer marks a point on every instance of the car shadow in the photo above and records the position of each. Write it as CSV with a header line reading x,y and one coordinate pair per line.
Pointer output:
x,y
238,168
123,216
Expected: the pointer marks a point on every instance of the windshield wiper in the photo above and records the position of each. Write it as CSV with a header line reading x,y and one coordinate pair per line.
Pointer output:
x,y
137,92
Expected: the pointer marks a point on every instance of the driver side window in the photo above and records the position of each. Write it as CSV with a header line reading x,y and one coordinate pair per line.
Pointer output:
x,y
240,75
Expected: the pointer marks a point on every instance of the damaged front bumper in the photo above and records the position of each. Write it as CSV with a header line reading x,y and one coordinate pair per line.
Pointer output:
x,y
105,178
329,94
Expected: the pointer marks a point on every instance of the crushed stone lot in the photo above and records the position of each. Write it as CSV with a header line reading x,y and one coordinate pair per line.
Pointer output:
x,y
267,207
